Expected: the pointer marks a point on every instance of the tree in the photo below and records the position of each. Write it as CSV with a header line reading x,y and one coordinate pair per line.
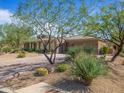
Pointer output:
x,y
15,36
1,36
1,32
108,24
51,18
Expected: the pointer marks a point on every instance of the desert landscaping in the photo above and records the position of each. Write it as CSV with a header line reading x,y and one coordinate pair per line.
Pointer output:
x,y
61,46
113,82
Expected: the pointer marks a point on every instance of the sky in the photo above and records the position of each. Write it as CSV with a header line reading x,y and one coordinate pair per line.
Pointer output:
x,y
8,7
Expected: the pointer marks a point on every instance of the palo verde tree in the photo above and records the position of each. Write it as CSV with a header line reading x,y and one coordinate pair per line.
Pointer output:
x,y
14,36
53,19
1,36
108,24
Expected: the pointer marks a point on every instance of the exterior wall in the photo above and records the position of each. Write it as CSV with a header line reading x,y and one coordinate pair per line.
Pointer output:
x,y
92,42
83,42
38,45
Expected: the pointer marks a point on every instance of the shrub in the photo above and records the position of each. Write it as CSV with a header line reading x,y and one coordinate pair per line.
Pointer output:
x,y
105,50
6,49
38,50
87,67
73,51
21,54
62,67
41,71
29,50
15,50
88,49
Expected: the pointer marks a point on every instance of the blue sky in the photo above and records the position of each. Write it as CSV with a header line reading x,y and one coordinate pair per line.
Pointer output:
x,y
8,7
11,5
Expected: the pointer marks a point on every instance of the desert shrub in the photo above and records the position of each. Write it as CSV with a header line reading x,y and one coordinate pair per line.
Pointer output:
x,y
38,50
6,49
41,71
29,50
62,67
15,50
89,49
25,49
73,51
21,54
86,67
105,50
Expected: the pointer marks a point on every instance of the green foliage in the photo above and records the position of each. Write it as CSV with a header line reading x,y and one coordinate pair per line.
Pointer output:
x,y
30,50
41,71
105,50
45,17
73,51
89,49
15,36
38,51
62,67
107,25
15,50
21,54
6,49
87,67
33,50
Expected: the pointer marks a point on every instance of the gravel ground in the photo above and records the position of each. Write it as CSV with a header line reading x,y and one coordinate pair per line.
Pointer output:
x,y
112,83
11,67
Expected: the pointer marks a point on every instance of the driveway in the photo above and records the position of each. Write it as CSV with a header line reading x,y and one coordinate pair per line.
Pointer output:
x,y
10,67
30,60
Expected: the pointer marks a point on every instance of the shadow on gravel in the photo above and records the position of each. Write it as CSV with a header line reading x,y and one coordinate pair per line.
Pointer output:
x,y
72,86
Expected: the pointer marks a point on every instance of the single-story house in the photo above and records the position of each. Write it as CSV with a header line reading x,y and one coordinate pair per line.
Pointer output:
x,y
73,41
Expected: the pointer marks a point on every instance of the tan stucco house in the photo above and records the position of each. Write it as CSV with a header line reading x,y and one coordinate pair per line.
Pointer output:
x,y
70,42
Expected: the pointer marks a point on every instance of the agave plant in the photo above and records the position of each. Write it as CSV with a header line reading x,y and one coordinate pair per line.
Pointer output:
x,y
87,67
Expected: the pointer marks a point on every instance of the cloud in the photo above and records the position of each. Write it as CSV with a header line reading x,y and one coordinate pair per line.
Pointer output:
x,y
5,16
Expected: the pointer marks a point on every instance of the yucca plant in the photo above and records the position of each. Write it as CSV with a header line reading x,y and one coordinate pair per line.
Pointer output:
x,y
87,67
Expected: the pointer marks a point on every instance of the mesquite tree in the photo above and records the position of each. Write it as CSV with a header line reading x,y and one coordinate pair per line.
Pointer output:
x,y
108,24
51,20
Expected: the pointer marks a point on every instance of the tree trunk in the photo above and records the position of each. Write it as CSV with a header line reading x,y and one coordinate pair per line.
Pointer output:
x,y
119,49
50,60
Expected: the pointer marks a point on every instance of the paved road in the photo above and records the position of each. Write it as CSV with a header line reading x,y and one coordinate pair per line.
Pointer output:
x,y
9,68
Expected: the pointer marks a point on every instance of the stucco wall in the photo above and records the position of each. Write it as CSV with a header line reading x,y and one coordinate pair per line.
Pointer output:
x,y
92,42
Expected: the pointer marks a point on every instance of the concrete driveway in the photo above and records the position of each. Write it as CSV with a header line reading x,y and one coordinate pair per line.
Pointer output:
x,y
30,60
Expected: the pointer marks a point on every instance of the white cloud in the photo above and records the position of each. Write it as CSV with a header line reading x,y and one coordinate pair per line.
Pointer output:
x,y
5,16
